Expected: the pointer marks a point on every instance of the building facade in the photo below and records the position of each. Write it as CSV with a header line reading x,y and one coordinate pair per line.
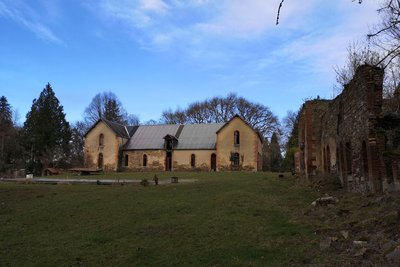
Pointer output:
x,y
233,145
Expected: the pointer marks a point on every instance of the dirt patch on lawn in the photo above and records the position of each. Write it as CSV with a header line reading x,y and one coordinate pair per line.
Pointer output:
x,y
354,229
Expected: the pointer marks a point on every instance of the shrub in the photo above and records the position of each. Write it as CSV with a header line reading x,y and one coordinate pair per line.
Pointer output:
x,y
144,182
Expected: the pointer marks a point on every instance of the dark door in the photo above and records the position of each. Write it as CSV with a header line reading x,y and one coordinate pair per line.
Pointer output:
x,y
168,161
213,162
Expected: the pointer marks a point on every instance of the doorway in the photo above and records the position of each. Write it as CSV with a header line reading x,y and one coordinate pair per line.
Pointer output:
x,y
213,162
168,161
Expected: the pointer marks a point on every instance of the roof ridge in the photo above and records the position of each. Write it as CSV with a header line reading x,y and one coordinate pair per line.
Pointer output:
x,y
127,132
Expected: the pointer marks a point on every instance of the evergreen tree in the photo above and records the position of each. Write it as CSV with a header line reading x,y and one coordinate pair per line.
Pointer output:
x,y
46,133
112,111
5,114
7,134
275,153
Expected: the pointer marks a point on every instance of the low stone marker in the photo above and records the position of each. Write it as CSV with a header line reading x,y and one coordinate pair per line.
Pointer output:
x,y
174,179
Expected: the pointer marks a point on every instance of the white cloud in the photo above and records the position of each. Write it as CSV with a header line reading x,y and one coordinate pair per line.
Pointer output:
x,y
157,6
221,32
26,17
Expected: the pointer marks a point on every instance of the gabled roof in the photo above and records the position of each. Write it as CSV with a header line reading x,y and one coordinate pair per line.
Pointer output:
x,y
119,129
238,116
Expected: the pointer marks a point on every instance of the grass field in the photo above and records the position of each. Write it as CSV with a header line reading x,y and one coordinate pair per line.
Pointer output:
x,y
222,219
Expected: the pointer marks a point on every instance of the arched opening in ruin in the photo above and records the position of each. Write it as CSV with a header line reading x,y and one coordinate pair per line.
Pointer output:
x,y
324,159
337,156
349,159
364,157
328,159
343,167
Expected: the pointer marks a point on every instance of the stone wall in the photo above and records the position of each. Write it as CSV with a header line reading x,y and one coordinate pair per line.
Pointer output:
x,y
181,160
342,137
155,160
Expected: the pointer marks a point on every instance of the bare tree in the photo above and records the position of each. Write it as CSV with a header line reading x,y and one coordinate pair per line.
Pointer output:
x,y
107,105
387,33
288,123
357,54
222,109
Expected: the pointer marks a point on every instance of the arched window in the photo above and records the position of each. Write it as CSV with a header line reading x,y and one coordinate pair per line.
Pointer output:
x,y
236,138
144,160
126,161
101,140
193,160
100,161
213,162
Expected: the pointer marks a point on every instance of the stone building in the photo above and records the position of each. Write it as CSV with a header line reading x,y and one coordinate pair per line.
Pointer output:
x,y
350,136
233,145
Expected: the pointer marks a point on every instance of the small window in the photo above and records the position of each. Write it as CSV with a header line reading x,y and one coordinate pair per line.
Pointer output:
x,y
144,160
126,162
193,160
101,140
236,138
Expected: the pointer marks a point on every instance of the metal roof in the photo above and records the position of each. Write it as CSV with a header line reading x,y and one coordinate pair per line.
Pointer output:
x,y
151,136
198,136
119,129
191,136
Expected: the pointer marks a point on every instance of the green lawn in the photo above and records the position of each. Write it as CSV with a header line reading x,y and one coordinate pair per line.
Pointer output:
x,y
223,219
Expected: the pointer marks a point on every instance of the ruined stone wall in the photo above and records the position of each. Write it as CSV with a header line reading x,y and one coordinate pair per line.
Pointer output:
x,y
358,108
345,138
310,130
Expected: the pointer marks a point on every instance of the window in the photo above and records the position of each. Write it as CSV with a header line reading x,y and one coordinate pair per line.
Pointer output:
x,y
144,160
126,162
235,158
101,140
100,161
193,160
236,138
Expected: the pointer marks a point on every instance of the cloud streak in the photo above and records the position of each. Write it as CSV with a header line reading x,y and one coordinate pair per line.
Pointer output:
x,y
27,18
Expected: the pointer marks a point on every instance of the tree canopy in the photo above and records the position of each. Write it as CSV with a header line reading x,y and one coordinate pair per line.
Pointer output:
x,y
222,109
106,105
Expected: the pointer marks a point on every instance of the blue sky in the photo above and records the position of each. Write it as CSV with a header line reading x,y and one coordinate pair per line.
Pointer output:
x,y
161,54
